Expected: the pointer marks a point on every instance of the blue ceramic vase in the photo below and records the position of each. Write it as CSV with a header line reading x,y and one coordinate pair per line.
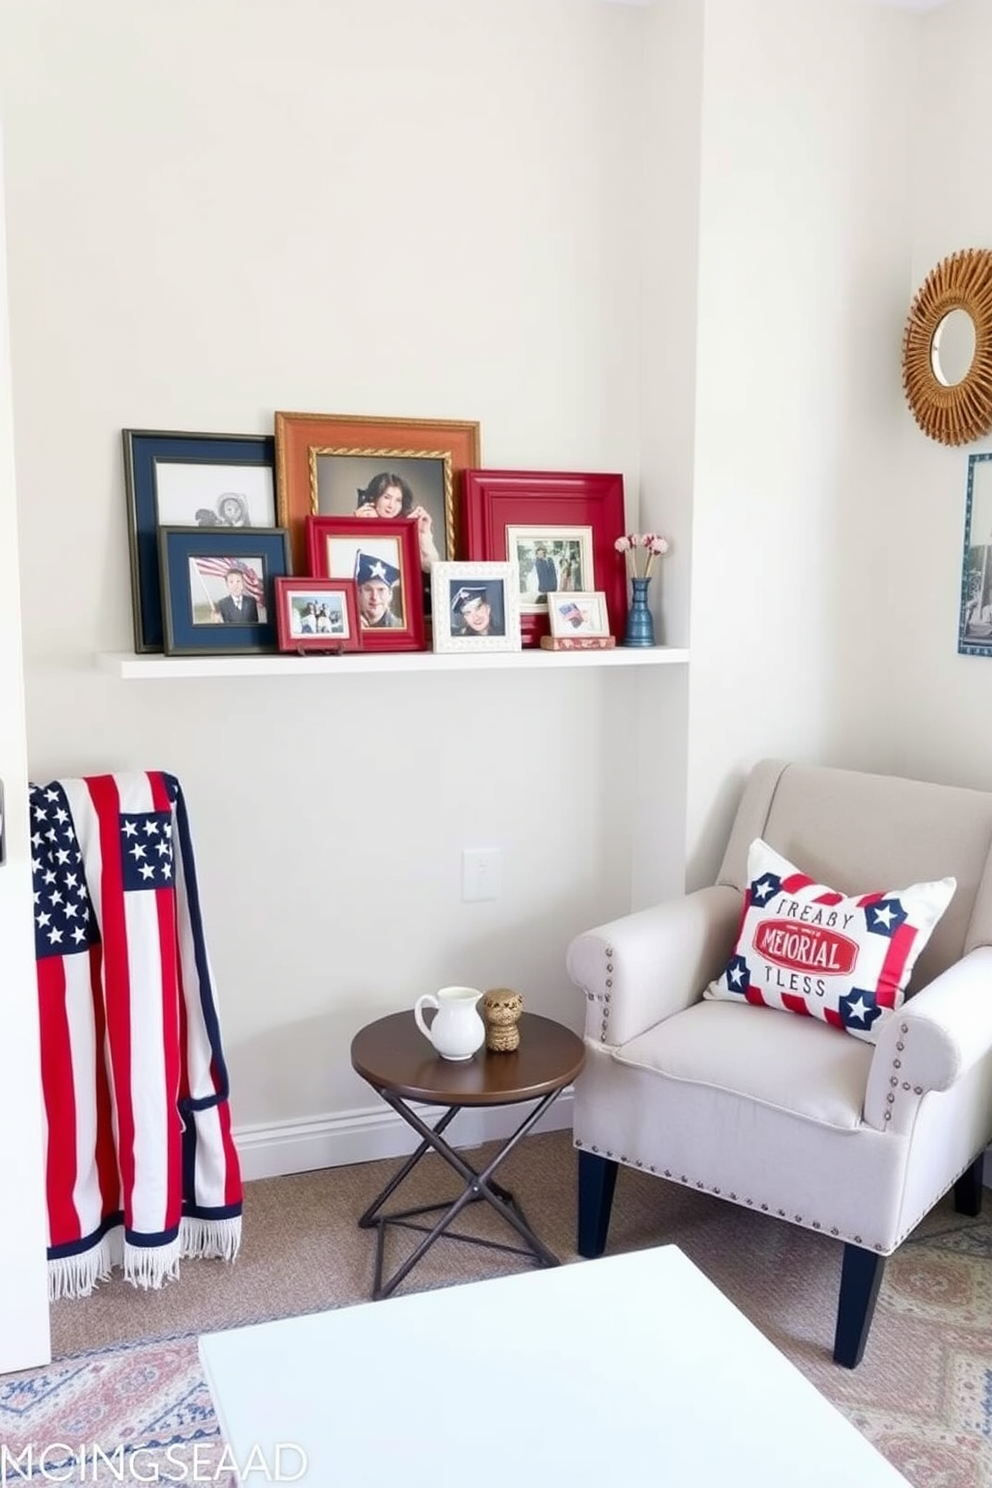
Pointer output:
x,y
640,623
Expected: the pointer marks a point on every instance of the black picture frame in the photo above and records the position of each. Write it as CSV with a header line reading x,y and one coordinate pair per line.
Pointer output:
x,y
151,453
193,563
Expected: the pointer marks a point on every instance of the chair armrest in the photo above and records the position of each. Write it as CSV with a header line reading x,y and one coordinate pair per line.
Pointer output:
x,y
931,1042
642,968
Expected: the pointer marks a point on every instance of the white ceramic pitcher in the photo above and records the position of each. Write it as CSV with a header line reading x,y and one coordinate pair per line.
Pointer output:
x,y
456,1030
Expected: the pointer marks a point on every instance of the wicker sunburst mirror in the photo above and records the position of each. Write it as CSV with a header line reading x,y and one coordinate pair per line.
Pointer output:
x,y
947,349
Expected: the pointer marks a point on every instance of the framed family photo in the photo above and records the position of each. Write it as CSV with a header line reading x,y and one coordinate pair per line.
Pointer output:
x,y
578,614
184,480
475,607
218,589
374,468
546,559
557,530
317,615
382,560
975,614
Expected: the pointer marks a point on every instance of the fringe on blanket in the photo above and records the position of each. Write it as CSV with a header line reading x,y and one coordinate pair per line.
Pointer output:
x,y
146,1267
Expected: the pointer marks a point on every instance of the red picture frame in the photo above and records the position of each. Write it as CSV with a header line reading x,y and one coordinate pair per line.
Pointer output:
x,y
337,629
496,500
333,548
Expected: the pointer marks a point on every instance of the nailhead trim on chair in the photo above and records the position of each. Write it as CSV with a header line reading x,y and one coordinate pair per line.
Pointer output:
x,y
604,1026
894,1079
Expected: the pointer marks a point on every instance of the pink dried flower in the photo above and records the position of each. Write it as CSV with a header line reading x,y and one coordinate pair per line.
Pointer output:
x,y
651,543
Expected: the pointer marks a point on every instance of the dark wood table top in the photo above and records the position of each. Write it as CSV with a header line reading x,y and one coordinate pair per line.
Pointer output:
x,y
392,1054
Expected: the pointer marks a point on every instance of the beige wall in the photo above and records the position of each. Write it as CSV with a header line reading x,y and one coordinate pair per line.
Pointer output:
x,y
24,1337
802,291
222,208
941,715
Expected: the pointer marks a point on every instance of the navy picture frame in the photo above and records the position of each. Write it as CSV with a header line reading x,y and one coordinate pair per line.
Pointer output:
x,y
183,633
975,607
144,451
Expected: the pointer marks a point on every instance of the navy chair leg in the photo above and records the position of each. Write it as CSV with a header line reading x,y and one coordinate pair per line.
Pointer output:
x,y
860,1279
597,1181
968,1189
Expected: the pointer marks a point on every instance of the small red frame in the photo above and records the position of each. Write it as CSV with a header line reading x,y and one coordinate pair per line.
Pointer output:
x,y
498,499
332,547
343,632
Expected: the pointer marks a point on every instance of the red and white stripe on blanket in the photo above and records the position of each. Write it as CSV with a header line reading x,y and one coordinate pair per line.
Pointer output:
x,y
141,1167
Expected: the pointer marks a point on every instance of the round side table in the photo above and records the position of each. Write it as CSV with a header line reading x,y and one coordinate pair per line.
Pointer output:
x,y
398,1062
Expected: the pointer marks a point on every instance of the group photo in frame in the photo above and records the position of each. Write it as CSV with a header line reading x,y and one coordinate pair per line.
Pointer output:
x,y
547,559
218,589
578,614
475,607
174,479
509,514
975,614
317,615
382,560
374,468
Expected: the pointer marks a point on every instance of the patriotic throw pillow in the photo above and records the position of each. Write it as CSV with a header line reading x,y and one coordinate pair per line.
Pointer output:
x,y
807,949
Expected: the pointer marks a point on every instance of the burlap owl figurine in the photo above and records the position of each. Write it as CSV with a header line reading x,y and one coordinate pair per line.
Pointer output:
x,y
501,1008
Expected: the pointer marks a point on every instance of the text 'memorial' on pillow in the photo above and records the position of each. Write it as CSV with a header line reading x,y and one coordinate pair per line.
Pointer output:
x,y
805,948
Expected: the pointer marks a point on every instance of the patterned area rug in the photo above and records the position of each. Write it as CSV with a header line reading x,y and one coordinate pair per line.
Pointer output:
x,y
935,1425
138,1413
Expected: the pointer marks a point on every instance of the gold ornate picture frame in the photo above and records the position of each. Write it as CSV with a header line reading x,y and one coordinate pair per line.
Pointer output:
x,y
342,465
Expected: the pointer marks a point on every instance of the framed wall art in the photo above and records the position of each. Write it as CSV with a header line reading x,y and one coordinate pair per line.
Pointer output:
x,y
975,614
382,559
577,614
339,465
186,480
317,615
557,529
218,589
475,607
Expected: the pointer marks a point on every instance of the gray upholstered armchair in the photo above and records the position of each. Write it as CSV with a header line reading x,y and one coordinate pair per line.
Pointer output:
x,y
782,1113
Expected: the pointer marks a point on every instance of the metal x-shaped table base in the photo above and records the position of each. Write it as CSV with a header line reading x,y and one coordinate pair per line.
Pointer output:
x,y
478,1185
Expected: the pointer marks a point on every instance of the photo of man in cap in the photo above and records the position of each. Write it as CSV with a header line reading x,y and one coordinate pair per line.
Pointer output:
x,y
377,583
472,611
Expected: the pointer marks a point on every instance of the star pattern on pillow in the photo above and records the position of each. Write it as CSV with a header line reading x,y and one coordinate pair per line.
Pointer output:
x,y
738,975
885,916
765,888
859,1008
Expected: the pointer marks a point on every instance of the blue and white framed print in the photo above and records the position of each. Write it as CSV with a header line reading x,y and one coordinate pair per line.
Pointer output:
x,y
186,480
218,589
975,619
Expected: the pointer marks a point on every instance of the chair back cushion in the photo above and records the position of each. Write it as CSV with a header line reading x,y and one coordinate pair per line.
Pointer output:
x,y
860,832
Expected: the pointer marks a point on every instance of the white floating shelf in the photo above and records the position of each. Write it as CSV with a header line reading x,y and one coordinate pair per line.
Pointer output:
x,y
128,665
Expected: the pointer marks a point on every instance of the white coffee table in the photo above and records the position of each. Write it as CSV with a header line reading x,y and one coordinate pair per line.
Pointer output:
x,y
633,1370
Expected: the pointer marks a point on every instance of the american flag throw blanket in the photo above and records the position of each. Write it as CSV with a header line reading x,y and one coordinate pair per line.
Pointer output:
x,y
141,1167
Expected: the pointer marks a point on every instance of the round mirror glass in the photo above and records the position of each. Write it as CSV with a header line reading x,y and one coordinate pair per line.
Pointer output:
x,y
952,350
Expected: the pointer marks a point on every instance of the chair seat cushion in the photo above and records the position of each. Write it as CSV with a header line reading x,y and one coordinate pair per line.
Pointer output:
x,y
797,1065
805,948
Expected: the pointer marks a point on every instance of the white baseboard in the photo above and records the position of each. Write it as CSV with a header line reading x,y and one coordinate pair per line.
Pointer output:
x,y
274,1149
